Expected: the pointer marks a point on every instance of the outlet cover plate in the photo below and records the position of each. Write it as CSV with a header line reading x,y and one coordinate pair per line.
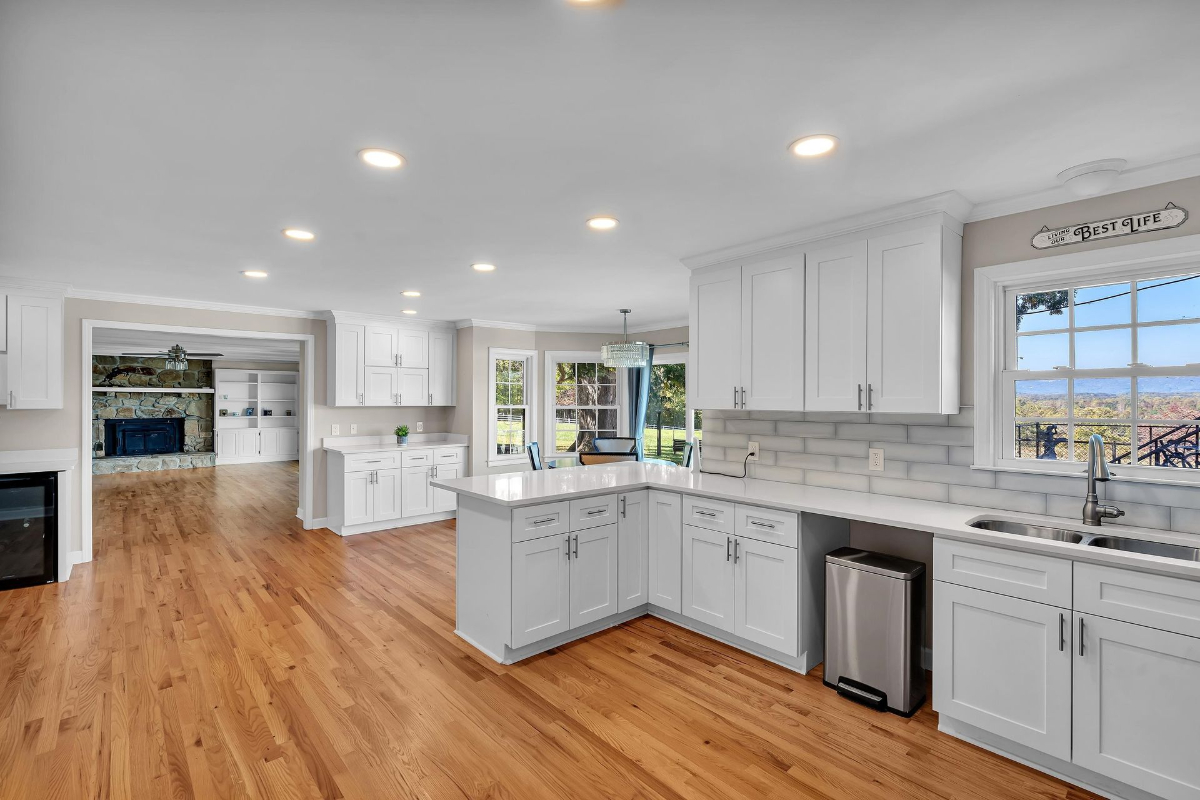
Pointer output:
x,y
875,459
752,447
335,430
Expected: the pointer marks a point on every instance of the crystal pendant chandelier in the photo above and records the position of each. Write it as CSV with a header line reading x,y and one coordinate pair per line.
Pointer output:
x,y
626,353
176,358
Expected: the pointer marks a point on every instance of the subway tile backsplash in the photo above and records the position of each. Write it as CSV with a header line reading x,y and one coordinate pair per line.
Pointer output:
x,y
926,456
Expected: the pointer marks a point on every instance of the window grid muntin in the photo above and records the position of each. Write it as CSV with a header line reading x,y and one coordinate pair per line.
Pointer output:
x,y
552,370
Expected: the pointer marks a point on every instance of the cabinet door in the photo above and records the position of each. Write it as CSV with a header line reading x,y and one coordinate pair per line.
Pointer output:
x,y
835,328
418,494
35,352
593,574
247,443
289,441
268,442
348,382
382,346
904,322
1137,706
413,387
413,349
666,550
226,443
767,594
441,367
1003,665
632,549
716,309
773,335
443,500
382,386
387,493
708,582
359,498
541,589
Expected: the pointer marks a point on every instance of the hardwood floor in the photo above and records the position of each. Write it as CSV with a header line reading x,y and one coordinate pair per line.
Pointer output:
x,y
214,648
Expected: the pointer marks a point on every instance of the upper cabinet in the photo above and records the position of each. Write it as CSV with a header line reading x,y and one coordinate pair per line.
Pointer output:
x,y
865,322
376,362
32,344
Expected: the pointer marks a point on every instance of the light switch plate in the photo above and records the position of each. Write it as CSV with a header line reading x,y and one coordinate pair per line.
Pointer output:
x,y
353,428
875,459
335,430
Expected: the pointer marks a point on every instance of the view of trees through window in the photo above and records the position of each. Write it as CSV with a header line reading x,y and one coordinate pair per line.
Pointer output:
x,y
512,406
666,413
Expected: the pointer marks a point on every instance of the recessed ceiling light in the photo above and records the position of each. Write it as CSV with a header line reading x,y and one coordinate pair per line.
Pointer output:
x,y
817,145
299,235
483,267
602,223
254,273
384,159
411,293
408,311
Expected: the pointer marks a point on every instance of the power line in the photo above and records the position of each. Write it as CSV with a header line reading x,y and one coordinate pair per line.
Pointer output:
x,y
1111,296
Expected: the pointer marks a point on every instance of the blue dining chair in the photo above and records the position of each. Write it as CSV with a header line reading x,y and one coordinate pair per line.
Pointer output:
x,y
535,457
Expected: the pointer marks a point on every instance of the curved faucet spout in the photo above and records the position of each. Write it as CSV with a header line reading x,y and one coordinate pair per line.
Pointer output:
x,y
1093,512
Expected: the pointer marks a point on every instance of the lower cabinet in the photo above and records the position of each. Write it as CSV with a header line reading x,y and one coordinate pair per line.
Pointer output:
x,y
593,574
708,579
372,496
258,444
418,494
1137,705
665,550
1004,665
387,493
633,578
443,500
766,585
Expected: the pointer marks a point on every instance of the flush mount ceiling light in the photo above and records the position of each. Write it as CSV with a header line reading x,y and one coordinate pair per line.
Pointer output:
x,y
411,293
815,145
384,159
299,235
602,223
1092,178
484,267
593,3
254,273
625,353
408,311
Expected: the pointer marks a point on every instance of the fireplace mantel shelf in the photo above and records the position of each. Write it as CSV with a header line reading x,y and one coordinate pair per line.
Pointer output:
x,y
152,389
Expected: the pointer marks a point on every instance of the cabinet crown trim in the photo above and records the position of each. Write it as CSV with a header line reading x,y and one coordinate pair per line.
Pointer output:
x,y
355,318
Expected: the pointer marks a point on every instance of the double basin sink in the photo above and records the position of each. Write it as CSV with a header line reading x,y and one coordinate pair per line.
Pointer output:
x,y
1105,541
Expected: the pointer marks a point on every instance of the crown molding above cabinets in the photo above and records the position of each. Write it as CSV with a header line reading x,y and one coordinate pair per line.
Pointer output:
x,y
356,318
948,209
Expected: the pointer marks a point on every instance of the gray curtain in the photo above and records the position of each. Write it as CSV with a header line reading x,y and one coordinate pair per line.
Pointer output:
x,y
639,401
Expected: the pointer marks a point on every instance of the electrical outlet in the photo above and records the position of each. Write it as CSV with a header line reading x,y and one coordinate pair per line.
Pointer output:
x,y
418,427
875,459
753,448
335,430
353,428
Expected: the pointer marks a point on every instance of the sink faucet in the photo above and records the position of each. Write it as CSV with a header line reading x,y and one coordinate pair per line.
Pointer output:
x,y
1093,512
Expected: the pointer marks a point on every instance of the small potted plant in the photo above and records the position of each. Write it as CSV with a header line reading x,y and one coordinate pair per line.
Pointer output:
x,y
401,434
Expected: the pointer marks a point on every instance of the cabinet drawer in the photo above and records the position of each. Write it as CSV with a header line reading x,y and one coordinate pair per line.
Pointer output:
x,y
418,458
534,522
714,515
1156,601
593,511
364,462
448,455
766,525
1029,576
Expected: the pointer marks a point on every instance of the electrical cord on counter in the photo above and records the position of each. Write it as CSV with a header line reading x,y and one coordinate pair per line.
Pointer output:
x,y
745,464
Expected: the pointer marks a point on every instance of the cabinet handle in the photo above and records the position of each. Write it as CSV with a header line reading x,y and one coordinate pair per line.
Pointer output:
x,y
434,470
727,553
735,405
860,397
543,521
622,506
735,550
1062,632
568,547
758,524
702,513
376,461
400,360
869,403
1081,636
577,546
431,398
596,511
743,397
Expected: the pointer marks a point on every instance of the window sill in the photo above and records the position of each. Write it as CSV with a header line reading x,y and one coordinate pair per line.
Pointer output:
x,y
1079,470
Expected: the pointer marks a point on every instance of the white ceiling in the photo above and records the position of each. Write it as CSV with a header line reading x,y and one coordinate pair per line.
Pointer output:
x,y
111,342
158,148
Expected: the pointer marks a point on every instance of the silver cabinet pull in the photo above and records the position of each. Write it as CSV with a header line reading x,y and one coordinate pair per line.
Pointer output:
x,y
762,524
596,511
400,360
431,398
743,397
376,461
869,403
1062,632
543,520
735,550
727,553
1081,636
702,513
577,545
860,397
435,470
735,397
622,506
568,547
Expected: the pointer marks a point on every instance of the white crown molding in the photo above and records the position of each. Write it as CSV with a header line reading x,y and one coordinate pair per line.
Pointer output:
x,y
682,322
608,329
34,285
357,318
176,302
491,323
951,203
1137,178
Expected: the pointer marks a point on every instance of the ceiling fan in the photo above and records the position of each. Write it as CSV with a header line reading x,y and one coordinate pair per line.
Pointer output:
x,y
175,355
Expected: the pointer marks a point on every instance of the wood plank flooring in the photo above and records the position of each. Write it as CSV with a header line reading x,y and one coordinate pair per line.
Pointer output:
x,y
214,648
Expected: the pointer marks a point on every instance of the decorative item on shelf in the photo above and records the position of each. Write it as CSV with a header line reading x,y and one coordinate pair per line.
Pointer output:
x,y
234,414
266,412
224,412
224,397
288,412
625,353
249,411
401,434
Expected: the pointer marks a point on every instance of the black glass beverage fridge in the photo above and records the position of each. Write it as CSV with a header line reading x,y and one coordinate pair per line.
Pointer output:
x,y
28,529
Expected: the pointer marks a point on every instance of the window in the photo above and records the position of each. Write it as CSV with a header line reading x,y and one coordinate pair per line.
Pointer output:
x,y
667,416
587,401
511,413
1110,351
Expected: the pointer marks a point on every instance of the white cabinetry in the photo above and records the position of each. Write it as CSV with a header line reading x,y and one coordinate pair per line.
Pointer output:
x,y
441,368
382,345
835,360
413,348
387,494
349,362
766,584
715,350
633,549
593,574
391,487
413,387
541,593
33,364
381,363
665,525
382,386
442,499
418,494
269,432
708,579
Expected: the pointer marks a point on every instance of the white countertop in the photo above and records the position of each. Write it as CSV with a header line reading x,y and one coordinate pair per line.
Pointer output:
x,y
381,444
14,462
941,519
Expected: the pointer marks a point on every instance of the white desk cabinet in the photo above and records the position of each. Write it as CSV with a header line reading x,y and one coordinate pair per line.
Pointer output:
x,y
373,490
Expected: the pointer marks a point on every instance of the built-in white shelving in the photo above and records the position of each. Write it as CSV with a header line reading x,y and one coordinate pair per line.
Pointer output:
x,y
239,391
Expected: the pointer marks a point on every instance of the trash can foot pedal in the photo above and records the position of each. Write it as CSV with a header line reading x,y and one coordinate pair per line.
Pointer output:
x,y
861,693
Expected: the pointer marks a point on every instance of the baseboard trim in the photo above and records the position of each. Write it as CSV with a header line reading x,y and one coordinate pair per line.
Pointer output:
x,y
798,664
319,522
512,656
389,524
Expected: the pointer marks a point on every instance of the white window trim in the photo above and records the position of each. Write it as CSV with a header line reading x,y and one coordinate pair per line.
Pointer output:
x,y
553,357
689,412
992,284
530,357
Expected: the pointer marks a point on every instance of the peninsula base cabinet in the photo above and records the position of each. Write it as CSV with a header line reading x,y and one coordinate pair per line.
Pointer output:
x,y
390,488
582,565
1103,689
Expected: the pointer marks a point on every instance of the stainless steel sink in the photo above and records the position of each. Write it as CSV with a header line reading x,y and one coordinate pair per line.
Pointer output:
x,y
1025,529
1107,542
1145,547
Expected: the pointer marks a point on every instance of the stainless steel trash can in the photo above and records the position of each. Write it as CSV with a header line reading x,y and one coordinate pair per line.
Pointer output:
x,y
875,629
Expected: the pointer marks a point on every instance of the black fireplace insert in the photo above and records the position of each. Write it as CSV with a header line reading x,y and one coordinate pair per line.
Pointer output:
x,y
143,437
